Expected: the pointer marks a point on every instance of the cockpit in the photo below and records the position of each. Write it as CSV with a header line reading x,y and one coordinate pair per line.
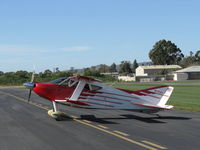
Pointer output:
x,y
69,82
65,81
59,80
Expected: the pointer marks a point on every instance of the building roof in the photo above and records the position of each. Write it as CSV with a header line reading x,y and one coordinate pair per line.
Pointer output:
x,y
190,69
161,67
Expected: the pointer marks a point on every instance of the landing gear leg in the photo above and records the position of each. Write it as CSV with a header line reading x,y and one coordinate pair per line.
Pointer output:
x,y
57,115
54,106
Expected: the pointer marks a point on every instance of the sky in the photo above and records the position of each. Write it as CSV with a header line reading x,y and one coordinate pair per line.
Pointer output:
x,y
82,33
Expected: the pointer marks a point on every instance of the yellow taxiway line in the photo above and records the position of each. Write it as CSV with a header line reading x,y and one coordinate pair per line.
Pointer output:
x,y
115,134
87,121
122,133
153,144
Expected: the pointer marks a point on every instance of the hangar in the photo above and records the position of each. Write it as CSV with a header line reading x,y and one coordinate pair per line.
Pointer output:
x,y
190,73
154,72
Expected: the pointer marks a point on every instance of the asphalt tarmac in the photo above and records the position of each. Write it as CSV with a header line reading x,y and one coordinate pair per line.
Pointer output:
x,y
27,126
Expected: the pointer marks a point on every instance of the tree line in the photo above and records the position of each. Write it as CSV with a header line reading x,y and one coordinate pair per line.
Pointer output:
x,y
125,67
19,77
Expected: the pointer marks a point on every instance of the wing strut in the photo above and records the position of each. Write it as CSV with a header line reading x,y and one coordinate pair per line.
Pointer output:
x,y
78,90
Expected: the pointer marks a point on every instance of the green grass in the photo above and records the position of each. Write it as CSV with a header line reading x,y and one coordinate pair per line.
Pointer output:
x,y
184,97
186,81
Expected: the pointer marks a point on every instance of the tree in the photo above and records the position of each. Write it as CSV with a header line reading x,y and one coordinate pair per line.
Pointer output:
x,y
22,75
165,53
1,73
93,68
103,68
125,67
72,70
113,68
89,72
135,65
47,73
191,53
19,77
197,56
191,60
56,70
62,74
187,61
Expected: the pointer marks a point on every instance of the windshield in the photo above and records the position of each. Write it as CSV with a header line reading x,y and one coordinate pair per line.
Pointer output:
x,y
69,82
59,80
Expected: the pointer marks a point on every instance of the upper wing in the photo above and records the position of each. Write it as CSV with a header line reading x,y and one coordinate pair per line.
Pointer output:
x,y
79,88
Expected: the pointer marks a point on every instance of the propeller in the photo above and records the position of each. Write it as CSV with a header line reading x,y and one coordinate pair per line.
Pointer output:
x,y
30,85
32,80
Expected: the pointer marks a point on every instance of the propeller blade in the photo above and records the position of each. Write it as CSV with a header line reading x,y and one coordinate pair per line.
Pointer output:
x,y
30,85
29,95
33,76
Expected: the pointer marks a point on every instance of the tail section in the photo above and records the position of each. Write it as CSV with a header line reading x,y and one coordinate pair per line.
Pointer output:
x,y
166,97
155,97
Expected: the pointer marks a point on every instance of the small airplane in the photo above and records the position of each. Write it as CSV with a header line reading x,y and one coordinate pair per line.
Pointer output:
x,y
85,92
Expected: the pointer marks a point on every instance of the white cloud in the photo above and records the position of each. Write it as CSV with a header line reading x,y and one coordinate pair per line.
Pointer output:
x,y
76,48
24,50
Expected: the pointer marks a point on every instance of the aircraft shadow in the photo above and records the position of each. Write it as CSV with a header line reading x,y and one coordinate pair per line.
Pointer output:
x,y
97,120
154,119
129,117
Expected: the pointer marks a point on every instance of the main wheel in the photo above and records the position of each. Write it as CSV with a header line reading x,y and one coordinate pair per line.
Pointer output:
x,y
58,116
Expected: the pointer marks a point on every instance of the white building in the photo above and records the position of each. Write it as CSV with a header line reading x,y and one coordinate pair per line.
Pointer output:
x,y
152,70
126,78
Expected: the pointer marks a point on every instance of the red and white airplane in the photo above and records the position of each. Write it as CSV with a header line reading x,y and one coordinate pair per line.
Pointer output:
x,y
91,93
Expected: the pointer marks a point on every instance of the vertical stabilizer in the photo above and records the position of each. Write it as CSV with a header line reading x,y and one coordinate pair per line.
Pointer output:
x,y
166,96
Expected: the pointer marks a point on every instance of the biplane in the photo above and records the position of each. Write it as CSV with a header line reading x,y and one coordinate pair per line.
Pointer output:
x,y
85,92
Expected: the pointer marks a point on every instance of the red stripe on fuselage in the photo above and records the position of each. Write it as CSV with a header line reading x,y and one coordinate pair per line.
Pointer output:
x,y
132,96
121,95
144,90
83,94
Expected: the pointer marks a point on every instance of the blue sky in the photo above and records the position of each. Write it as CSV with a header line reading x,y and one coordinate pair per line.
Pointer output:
x,y
82,33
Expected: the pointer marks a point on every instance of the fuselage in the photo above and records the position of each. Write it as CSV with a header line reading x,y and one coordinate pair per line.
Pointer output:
x,y
90,93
